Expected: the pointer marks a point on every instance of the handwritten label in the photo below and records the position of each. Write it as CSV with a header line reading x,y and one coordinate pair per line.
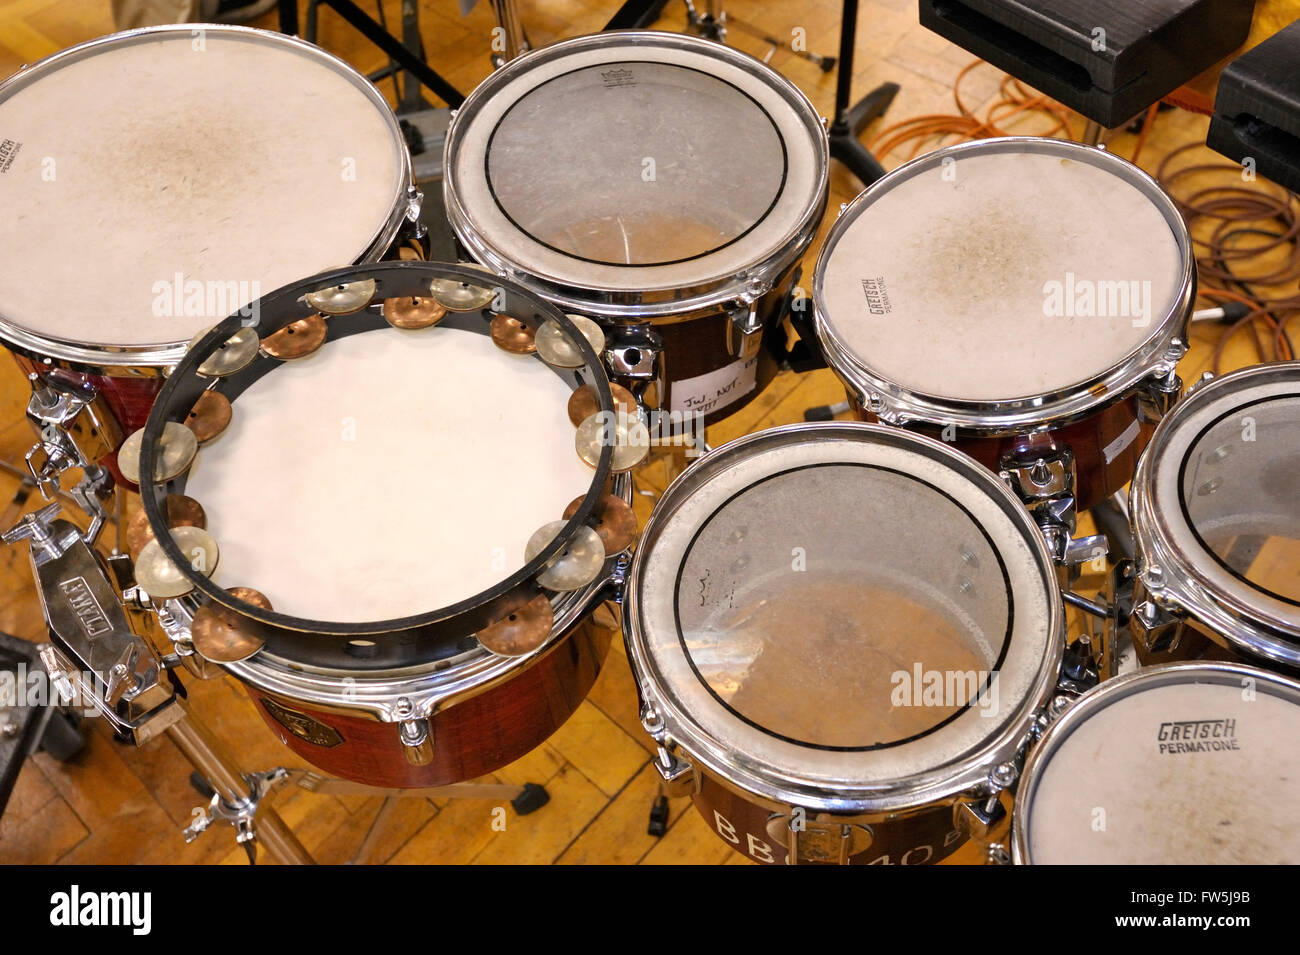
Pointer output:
x,y
705,394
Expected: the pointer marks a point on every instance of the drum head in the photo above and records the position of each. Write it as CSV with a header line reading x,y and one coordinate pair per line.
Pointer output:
x,y
474,445
153,185
842,610
633,162
1002,270
1178,765
1218,496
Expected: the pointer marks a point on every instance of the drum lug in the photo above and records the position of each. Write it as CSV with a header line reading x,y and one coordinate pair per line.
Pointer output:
x,y
744,332
414,203
982,815
417,741
1155,626
678,774
1158,394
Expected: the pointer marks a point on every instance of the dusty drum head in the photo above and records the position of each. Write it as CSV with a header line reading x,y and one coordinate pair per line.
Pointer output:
x,y
1172,765
1216,511
1003,282
793,583
197,192
637,173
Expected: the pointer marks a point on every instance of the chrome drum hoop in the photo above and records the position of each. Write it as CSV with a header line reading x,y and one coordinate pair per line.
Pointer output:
x,y
677,304
154,360
1154,358
674,729
1182,586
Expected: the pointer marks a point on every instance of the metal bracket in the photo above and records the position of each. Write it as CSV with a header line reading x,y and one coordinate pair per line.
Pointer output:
x,y
240,814
51,410
632,351
1046,486
93,647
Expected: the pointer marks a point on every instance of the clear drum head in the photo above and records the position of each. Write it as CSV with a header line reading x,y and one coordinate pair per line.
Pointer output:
x,y
634,162
172,190
1175,765
1217,505
841,614
989,275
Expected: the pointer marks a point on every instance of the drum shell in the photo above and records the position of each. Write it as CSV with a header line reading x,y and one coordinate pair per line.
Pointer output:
x,y
741,819
1088,438
700,343
470,738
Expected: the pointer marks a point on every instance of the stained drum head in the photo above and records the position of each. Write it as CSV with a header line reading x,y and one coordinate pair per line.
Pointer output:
x,y
634,162
153,188
797,593
1002,270
1173,765
1216,502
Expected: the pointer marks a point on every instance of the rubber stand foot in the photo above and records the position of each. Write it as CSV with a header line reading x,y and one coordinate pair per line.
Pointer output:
x,y
533,798
658,817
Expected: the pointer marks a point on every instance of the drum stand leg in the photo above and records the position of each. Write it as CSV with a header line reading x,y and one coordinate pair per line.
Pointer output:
x,y
236,798
525,799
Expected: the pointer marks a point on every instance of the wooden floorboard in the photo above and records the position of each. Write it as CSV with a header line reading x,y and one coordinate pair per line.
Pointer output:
x,y
116,804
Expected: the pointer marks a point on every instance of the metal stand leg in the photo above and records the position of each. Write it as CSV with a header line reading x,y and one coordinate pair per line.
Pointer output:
x,y
851,120
240,799
1092,133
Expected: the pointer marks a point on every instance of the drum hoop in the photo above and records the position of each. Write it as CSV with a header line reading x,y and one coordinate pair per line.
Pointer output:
x,y
1238,612
106,359
913,792
1155,357
458,619
618,303
1104,695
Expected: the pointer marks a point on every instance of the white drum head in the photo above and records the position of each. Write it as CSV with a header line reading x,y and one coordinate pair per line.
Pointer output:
x,y
389,474
1001,270
795,604
1175,765
633,162
158,181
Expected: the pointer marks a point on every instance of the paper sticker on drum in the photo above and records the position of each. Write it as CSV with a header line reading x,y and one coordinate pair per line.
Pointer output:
x,y
1002,269
1174,765
160,180
842,618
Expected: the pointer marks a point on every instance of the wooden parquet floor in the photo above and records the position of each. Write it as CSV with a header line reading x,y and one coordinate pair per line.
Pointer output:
x,y
115,804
